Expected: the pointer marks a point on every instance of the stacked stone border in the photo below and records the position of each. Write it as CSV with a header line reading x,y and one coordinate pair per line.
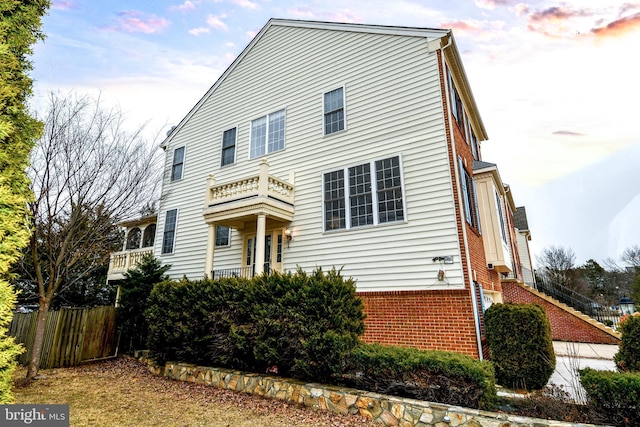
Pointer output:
x,y
383,410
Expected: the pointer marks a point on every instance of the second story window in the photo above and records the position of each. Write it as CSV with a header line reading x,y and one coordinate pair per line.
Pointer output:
x,y
267,134
469,198
169,234
333,105
178,164
228,147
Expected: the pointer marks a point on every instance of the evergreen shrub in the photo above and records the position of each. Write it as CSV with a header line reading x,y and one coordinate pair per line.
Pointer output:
x,y
615,395
435,376
299,325
134,293
519,338
628,356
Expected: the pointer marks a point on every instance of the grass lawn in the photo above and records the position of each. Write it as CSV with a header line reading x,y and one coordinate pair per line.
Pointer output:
x,y
121,392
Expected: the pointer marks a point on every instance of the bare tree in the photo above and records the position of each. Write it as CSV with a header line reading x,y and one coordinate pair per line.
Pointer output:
x,y
556,264
631,256
88,172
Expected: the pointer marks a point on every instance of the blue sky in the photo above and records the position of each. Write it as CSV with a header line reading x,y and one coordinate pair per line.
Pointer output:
x,y
556,83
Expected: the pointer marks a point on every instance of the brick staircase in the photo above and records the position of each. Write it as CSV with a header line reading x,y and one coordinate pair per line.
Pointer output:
x,y
567,323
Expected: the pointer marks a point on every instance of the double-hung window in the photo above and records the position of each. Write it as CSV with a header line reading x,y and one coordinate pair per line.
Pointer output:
x,y
267,134
223,235
503,229
333,106
178,164
228,147
372,194
469,198
169,235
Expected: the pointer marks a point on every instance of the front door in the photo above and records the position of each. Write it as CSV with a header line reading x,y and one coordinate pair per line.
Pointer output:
x,y
272,251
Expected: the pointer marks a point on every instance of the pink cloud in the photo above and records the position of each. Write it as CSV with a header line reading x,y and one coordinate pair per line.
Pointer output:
x,y
618,27
63,5
302,12
462,26
135,22
247,4
198,31
492,4
185,7
557,14
216,22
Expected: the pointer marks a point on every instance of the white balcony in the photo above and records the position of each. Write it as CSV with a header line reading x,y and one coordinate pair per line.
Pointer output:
x,y
122,261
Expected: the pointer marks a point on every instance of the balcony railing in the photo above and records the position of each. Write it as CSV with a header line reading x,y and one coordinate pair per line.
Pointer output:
x,y
262,184
123,261
245,272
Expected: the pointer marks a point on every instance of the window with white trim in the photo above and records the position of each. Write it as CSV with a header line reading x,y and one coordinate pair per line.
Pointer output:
x,y
372,194
178,164
267,134
333,107
223,236
228,147
469,198
503,229
169,234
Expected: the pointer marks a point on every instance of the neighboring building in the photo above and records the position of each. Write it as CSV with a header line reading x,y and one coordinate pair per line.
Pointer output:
x,y
348,146
524,236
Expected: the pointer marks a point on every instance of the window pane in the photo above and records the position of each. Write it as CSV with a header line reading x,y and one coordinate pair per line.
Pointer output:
x,y
178,161
228,147
169,231
389,186
360,198
222,235
334,204
133,238
333,111
276,131
149,236
258,137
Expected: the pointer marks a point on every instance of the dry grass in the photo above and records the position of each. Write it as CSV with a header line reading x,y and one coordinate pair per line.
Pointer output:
x,y
122,392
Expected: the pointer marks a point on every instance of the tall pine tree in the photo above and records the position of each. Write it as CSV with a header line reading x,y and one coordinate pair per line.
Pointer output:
x,y
20,22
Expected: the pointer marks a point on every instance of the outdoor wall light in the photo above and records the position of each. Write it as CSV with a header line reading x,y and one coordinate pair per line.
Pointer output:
x,y
448,259
288,235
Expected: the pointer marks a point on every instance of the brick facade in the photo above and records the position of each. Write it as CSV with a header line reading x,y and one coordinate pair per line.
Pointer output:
x,y
429,320
565,326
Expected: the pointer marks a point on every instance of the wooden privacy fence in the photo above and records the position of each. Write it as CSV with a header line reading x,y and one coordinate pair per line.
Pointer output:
x,y
72,335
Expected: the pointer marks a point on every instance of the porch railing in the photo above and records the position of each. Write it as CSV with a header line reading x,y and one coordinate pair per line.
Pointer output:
x,y
245,272
120,262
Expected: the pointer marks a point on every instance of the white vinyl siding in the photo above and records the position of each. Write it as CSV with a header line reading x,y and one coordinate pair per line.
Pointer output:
x,y
394,108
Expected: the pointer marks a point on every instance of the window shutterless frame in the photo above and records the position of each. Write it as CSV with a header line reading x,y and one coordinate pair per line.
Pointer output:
x,y
169,231
177,164
370,193
223,236
267,134
334,117
229,143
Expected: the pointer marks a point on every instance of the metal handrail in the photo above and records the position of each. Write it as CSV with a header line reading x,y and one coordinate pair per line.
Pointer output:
x,y
245,272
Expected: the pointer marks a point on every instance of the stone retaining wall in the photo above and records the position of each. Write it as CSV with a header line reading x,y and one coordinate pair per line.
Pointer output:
x,y
384,410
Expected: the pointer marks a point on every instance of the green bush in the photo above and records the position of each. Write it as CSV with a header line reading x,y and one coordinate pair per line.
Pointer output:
x,y
192,321
134,294
303,323
299,325
615,395
519,338
435,376
628,356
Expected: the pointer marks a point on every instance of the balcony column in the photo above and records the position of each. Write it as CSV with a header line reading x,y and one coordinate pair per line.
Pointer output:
x,y
126,237
211,243
260,234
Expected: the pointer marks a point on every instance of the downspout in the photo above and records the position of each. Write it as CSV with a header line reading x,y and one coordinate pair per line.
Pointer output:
x,y
456,172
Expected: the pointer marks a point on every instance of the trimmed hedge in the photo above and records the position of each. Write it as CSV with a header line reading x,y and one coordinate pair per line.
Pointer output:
x,y
299,325
628,356
615,395
519,337
435,376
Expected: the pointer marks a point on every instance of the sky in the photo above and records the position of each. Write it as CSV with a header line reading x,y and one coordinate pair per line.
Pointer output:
x,y
556,84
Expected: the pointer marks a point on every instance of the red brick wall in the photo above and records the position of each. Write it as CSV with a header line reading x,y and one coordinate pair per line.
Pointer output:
x,y
564,325
429,320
